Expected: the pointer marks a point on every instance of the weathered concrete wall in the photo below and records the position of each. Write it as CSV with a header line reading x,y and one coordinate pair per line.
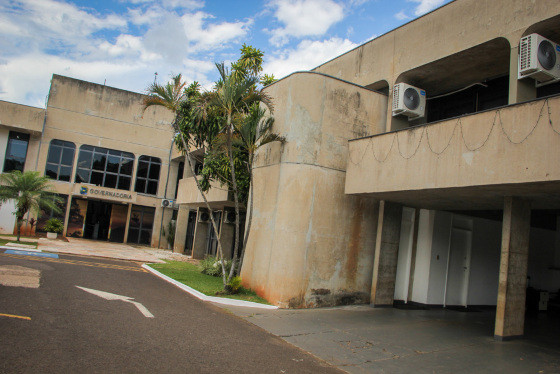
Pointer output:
x,y
430,165
188,193
455,27
310,245
17,116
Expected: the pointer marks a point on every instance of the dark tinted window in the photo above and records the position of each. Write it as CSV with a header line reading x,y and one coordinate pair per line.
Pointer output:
x,y
147,176
141,222
104,167
16,151
60,160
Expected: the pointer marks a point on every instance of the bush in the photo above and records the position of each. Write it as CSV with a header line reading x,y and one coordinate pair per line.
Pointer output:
x,y
234,285
170,233
211,266
54,225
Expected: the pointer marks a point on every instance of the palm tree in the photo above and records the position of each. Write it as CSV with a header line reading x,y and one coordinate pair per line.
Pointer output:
x,y
31,191
175,96
234,95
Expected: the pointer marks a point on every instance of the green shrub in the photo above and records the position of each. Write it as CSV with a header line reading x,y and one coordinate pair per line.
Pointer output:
x,y
170,233
234,285
211,266
54,225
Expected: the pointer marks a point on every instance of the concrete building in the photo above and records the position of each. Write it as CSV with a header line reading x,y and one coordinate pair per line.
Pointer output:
x,y
455,207
113,165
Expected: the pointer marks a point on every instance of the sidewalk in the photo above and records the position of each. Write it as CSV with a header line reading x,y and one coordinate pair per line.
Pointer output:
x,y
97,248
362,339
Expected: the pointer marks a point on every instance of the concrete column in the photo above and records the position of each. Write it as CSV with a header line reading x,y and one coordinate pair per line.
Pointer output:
x,y
67,214
512,284
519,90
181,229
127,225
199,241
557,244
413,254
386,254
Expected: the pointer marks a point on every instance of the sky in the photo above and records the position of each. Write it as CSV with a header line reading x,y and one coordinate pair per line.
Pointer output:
x,y
124,43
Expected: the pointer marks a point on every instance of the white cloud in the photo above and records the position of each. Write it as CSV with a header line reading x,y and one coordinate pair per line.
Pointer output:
x,y
401,16
304,18
307,55
424,6
203,37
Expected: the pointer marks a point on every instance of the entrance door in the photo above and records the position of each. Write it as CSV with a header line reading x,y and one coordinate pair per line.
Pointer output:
x,y
212,237
97,221
458,267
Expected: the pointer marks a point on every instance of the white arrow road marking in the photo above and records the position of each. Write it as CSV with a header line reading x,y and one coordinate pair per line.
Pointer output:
x,y
112,296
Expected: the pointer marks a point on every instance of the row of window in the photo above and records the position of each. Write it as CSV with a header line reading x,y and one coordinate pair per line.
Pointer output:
x,y
102,167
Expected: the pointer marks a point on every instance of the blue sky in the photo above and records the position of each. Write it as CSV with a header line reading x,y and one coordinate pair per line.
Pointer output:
x,y
124,42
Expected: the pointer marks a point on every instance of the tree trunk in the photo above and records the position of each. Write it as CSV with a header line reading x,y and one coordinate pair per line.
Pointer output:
x,y
19,223
235,197
249,213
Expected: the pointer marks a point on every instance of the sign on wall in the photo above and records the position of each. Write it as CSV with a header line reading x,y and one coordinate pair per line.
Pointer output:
x,y
87,191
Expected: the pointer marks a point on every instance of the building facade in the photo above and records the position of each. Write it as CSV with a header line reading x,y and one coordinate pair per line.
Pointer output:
x,y
455,207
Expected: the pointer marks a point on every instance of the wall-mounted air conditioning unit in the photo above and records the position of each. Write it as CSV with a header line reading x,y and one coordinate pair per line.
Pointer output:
x,y
203,216
167,203
409,101
229,216
539,58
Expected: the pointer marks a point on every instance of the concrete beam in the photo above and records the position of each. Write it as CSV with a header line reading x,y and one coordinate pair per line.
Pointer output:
x,y
512,284
386,254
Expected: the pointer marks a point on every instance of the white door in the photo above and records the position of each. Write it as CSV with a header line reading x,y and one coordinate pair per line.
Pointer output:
x,y
458,267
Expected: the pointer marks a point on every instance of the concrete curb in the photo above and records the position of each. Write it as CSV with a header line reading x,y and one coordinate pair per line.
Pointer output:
x,y
201,296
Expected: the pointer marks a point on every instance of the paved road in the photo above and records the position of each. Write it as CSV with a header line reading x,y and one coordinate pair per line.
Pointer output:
x,y
58,327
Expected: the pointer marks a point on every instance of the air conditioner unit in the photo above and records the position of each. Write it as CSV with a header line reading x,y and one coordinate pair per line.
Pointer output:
x,y
409,101
229,216
203,216
167,203
539,58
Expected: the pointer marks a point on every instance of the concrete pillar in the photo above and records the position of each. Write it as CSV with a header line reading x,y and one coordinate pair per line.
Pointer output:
x,y
199,241
512,284
519,90
386,254
67,214
557,244
413,254
227,233
127,225
181,229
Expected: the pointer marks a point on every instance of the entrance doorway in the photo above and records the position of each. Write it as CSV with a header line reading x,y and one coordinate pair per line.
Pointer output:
x,y
97,222
458,267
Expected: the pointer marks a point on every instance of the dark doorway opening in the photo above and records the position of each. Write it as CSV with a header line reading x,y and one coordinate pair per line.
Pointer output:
x,y
190,232
97,221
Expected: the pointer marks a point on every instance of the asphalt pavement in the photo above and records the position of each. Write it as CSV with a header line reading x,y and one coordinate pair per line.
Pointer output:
x,y
53,326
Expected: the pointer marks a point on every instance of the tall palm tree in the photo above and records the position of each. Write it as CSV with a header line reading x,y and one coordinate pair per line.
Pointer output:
x,y
234,95
173,96
31,192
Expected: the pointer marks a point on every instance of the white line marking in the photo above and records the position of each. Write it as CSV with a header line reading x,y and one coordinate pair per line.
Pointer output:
x,y
112,296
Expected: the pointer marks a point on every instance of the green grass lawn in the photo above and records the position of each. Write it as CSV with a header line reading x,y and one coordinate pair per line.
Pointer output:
x,y
6,241
190,275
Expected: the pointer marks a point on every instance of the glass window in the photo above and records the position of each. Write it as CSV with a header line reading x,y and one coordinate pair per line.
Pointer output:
x,y
147,175
141,222
16,151
60,159
179,176
47,214
104,167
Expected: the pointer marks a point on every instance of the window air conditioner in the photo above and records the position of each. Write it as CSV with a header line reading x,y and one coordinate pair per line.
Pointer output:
x,y
409,101
539,58
166,203
203,216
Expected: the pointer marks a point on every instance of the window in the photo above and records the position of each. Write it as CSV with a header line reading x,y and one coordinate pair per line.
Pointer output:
x,y
47,214
60,160
147,175
104,167
141,222
16,151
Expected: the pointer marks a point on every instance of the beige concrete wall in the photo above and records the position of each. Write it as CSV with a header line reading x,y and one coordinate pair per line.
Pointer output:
x,y
515,145
189,194
310,245
22,117
455,27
